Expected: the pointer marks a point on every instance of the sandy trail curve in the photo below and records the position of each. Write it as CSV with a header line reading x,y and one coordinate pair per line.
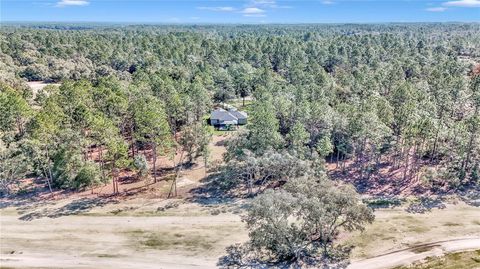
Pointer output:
x,y
417,253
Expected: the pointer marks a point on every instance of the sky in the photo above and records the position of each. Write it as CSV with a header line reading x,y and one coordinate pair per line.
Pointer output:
x,y
240,11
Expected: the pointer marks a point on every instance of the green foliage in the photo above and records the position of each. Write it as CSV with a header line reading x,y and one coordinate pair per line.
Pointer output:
x,y
13,166
324,147
263,125
71,171
88,175
297,138
117,153
300,225
141,166
150,122
270,167
397,94
14,109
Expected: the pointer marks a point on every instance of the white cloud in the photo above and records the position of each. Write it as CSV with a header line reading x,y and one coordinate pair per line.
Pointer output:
x,y
64,3
436,9
264,2
218,9
463,3
257,8
252,10
328,2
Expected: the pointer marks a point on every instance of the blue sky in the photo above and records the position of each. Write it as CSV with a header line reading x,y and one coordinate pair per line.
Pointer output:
x,y
240,11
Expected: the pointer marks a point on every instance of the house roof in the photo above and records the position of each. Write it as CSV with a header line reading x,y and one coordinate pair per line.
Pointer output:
x,y
222,115
230,115
238,114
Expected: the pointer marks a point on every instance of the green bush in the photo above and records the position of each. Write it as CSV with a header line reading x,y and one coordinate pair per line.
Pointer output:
x,y
88,175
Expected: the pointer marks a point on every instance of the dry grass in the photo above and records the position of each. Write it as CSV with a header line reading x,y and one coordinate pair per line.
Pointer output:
x,y
194,243
464,260
395,229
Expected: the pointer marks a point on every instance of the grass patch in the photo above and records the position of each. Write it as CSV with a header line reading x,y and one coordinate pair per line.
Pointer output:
x,y
464,260
193,242
105,255
239,104
382,202
136,232
451,224
388,238
403,217
418,229
187,242
221,133
423,249
477,222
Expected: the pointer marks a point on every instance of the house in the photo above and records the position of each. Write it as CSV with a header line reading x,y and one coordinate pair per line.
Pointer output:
x,y
240,115
222,117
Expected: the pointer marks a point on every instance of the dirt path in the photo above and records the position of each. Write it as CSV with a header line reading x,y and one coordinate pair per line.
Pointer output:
x,y
417,253
117,241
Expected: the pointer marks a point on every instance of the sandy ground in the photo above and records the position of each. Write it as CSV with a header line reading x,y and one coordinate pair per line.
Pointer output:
x,y
395,229
146,233
38,85
117,241
413,254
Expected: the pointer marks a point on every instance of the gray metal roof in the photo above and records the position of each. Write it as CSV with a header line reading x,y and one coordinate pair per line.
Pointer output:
x,y
239,114
222,115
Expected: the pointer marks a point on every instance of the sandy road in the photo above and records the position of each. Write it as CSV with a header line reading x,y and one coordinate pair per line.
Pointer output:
x,y
417,253
191,241
113,241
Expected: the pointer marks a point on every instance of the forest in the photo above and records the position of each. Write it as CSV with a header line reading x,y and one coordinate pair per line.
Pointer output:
x,y
327,104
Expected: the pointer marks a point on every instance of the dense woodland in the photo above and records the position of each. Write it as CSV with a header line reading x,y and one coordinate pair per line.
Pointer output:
x,y
359,97
402,94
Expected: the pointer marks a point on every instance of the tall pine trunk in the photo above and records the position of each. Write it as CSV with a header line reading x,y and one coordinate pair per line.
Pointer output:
x,y
50,175
155,162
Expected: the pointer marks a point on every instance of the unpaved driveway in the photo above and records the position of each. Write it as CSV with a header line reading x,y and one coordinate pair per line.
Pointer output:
x,y
417,253
194,236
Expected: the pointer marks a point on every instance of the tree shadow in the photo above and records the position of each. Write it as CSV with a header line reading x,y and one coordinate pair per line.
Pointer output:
x,y
426,204
381,181
215,189
75,207
221,143
24,204
471,197
125,180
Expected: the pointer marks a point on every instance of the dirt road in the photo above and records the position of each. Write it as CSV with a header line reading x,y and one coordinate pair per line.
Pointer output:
x,y
417,253
136,234
117,241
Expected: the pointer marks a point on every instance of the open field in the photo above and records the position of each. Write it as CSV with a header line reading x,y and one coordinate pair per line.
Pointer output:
x,y
108,241
157,233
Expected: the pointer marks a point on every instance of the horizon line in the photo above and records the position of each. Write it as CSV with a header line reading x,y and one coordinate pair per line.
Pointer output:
x,y
234,23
